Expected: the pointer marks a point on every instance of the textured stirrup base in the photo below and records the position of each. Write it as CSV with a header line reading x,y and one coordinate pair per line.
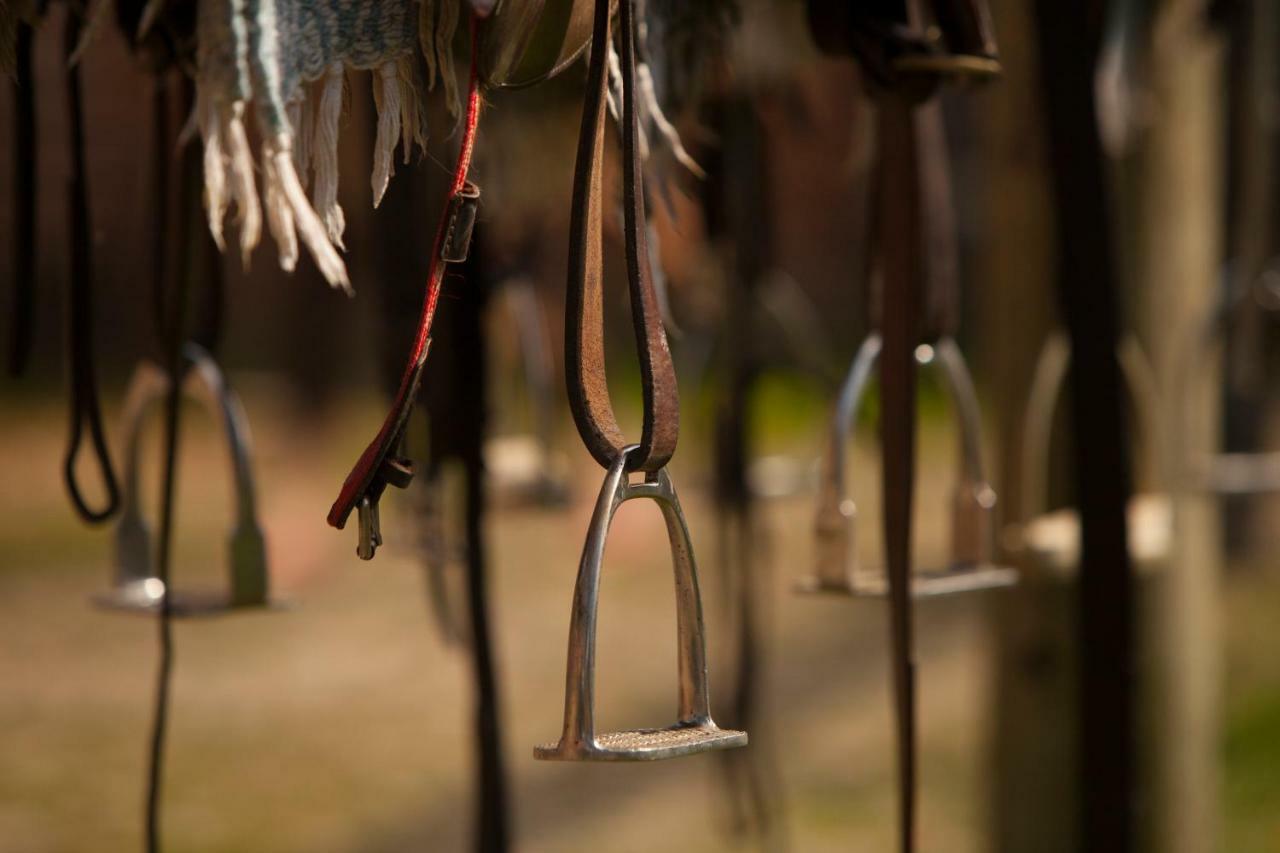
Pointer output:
x,y
924,584
645,744
145,596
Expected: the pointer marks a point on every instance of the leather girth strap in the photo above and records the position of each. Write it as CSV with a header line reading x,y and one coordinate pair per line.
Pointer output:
x,y
380,465
584,298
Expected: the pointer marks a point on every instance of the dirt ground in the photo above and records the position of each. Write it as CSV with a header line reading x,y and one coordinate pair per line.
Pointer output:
x,y
342,721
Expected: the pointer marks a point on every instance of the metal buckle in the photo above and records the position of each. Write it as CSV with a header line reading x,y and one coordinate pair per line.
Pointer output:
x,y
1051,539
970,568
694,731
136,587
463,208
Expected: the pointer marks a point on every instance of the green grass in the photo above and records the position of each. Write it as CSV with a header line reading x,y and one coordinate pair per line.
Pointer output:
x,y
1251,757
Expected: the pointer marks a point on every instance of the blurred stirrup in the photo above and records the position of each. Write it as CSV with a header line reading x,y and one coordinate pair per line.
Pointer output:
x,y
970,567
1051,539
136,586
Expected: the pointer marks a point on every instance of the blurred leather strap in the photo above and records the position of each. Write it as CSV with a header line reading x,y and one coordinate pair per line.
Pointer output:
x,y
585,373
938,228
900,249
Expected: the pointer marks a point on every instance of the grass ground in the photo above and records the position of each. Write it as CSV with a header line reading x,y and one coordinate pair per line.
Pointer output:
x,y
342,722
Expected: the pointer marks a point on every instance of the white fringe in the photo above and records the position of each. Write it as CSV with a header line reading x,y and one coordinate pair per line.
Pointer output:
x,y
215,168
243,191
387,98
410,129
279,214
324,155
614,93
283,184
652,110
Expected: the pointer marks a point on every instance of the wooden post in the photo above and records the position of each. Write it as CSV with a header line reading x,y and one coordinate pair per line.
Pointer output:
x,y
1178,262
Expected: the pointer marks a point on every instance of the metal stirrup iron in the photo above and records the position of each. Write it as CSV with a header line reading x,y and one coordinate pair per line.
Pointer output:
x,y
137,585
970,567
904,62
694,730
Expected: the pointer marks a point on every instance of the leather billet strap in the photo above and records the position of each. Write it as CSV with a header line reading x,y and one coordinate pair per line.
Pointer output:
x,y
584,298
381,465
940,273
900,255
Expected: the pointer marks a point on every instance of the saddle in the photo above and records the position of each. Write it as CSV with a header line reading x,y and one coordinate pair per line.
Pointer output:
x,y
523,42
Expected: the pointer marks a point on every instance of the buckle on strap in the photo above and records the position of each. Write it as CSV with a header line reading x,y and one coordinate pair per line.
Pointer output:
x,y
460,224
970,567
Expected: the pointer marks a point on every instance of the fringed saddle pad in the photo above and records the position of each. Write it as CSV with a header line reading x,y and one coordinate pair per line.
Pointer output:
x,y
288,59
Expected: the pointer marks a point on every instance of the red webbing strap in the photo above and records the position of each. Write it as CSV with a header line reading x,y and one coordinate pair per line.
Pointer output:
x,y
363,475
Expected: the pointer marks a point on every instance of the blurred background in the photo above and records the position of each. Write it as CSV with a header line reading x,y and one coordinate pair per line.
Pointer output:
x,y
346,719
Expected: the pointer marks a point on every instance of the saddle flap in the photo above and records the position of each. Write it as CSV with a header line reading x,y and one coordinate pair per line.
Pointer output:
x,y
523,42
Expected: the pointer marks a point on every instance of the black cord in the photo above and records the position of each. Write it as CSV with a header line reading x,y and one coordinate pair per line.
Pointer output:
x,y
172,335
85,408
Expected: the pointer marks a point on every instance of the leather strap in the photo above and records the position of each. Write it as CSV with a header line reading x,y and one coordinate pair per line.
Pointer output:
x,y
900,256
585,373
380,465
940,270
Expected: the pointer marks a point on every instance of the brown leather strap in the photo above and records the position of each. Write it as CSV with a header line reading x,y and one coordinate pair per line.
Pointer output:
x,y
940,298
584,303
901,265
